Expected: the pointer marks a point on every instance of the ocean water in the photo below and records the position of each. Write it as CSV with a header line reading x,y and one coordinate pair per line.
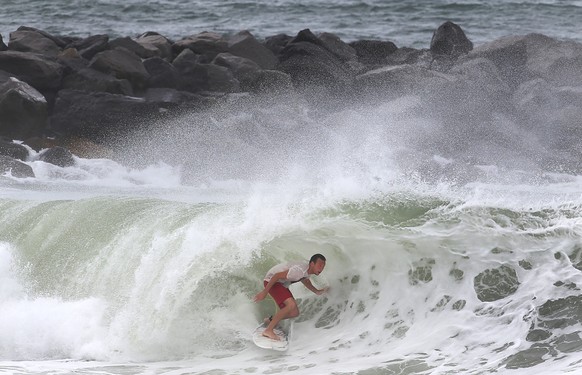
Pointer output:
x,y
147,264
407,23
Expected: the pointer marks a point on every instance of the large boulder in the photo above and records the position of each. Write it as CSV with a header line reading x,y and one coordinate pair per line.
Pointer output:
x,y
99,116
196,77
245,45
15,168
122,64
206,44
373,52
450,40
161,73
13,150
133,46
244,70
158,44
38,71
311,64
90,46
58,155
93,80
276,43
32,41
272,82
23,110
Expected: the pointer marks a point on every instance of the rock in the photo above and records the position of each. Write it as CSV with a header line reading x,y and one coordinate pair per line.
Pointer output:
x,y
93,80
3,47
90,46
405,55
373,52
99,116
272,82
450,40
23,110
172,98
276,43
133,46
32,41
245,45
206,44
335,45
196,77
40,72
15,168
509,54
122,64
13,150
59,41
58,156
161,73
310,64
244,70
156,43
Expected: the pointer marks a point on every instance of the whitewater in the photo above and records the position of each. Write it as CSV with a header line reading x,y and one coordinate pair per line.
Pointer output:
x,y
148,264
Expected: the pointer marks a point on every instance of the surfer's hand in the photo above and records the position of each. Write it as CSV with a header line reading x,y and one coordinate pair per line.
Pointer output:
x,y
260,296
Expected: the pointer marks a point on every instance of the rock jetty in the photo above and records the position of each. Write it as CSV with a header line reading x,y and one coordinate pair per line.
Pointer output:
x,y
69,95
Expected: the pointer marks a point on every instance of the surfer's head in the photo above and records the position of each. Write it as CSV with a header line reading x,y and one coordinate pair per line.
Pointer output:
x,y
316,264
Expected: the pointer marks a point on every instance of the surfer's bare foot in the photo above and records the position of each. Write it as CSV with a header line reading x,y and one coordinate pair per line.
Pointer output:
x,y
272,335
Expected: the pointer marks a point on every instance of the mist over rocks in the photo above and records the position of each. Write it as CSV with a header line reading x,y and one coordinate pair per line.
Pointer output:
x,y
514,101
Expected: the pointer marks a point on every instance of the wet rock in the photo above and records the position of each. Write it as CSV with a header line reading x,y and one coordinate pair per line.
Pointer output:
x,y
245,45
40,72
122,64
272,81
496,283
373,52
132,46
90,46
309,63
58,156
450,40
13,150
99,116
276,43
196,77
244,70
32,41
161,73
15,168
158,44
206,44
335,45
93,80
23,110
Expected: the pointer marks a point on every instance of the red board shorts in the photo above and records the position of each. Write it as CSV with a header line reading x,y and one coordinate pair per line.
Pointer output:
x,y
279,293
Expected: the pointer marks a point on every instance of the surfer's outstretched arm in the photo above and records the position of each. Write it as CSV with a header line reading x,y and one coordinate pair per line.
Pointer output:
x,y
310,286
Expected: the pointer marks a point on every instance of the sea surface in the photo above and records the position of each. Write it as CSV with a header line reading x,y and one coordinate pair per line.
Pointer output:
x,y
147,264
407,23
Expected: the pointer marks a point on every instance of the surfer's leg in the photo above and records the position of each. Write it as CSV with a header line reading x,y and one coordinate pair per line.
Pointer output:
x,y
290,310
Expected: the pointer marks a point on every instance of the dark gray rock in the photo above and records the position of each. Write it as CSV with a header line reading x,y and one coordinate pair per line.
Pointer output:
x,y
23,110
373,52
122,64
3,47
99,116
450,40
276,43
38,71
196,77
158,44
133,46
273,82
90,46
58,156
32,41
15,168
161,73
245,45
244,70
13,150
310,64
59,41
93,80
206,44
405,55
335,45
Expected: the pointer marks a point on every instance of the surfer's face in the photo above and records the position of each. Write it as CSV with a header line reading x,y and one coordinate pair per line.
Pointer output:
x,y
317,267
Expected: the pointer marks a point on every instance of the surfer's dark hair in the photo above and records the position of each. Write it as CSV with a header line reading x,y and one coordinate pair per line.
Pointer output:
x,y
315,257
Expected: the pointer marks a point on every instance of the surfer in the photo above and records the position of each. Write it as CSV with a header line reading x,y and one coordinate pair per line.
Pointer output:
x,y
277,283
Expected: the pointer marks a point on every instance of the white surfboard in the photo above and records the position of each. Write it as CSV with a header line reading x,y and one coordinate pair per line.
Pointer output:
x,y
267,343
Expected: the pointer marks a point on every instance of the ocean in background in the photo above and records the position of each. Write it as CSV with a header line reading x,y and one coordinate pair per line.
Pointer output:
x,y
407,23
148,264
